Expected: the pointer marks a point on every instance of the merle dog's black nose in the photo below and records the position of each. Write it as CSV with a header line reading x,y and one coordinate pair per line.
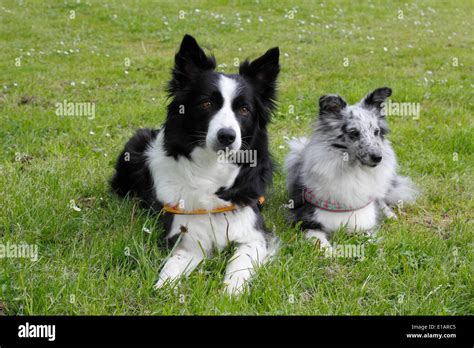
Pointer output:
x,y
375,158
226,136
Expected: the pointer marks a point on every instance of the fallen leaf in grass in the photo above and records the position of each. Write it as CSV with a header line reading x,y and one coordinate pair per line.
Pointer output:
x,y
23,158
26,99
87,201
73,205
306,296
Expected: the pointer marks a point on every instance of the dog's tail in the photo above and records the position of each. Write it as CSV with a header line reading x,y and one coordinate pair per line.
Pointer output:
x,y
296,151
293,160
402,191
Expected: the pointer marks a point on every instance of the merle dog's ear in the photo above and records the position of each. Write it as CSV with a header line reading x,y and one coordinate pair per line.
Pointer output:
x,y
189,62
331,104
376,98
263,73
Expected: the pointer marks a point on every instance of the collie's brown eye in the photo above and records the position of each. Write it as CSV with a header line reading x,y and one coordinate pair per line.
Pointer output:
x,y
244,111
206,105
377,132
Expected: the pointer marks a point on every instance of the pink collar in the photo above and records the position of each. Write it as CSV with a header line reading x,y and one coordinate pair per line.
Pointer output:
x,y
335,207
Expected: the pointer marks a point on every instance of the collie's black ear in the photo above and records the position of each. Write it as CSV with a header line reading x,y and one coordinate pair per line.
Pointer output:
x,y
376,98
191,57
189,62
331,104
263,73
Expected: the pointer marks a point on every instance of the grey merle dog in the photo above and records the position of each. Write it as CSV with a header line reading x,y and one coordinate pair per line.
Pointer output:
x,y
345,174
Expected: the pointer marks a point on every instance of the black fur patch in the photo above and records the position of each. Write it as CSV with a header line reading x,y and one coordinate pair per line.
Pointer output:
x,y
251,183
375,98
302,211
131,171
339,146
331,104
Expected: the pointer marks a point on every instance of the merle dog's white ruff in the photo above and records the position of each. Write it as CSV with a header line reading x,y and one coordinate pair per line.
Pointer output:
x,y
345,167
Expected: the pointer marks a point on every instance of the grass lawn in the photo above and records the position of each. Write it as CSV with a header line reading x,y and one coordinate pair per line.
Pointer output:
x,y
98,254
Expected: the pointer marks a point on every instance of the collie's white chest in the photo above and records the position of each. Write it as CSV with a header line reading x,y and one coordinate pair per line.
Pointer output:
x,y
190,184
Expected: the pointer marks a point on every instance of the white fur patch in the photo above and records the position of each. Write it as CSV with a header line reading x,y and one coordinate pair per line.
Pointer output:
x,y
334,180
225,117
362,219
189,184
318,235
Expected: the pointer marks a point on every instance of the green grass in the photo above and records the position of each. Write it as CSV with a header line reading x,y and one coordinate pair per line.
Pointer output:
x,y
423,263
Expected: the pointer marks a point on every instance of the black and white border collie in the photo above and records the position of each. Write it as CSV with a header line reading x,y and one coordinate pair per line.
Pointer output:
x,y
346,173
181,164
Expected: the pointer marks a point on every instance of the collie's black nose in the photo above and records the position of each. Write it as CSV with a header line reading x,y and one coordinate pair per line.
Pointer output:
x,y
376,158
226,136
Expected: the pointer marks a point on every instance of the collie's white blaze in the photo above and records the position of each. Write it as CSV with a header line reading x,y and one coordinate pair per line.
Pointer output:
x,y
225,117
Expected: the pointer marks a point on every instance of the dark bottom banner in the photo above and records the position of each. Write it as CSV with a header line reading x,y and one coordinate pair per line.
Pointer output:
x,y
415,330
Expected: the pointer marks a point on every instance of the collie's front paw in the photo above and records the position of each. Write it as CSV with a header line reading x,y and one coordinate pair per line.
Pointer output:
x,y
159,284
166,282
235,286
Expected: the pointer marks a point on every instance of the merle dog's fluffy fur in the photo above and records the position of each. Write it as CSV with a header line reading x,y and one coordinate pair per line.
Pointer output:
x,y
178,164
347,160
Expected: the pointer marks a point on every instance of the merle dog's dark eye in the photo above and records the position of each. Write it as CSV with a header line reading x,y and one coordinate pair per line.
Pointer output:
x,y
244,111
206,105
377,132
354,133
